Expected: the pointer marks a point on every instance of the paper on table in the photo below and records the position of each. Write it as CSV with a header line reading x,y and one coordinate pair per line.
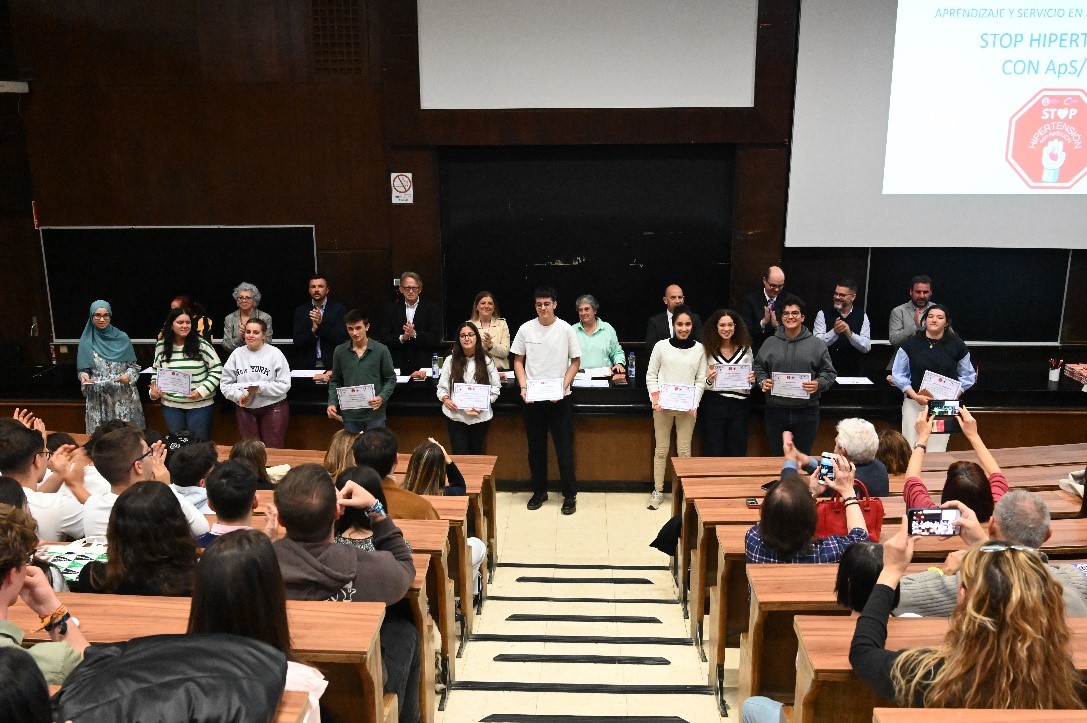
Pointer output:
x,y
596,372
941,387
544,390
678,397
357,397
305,373
171,381
583,382
403,380
789,385
732,376
853,380
472,396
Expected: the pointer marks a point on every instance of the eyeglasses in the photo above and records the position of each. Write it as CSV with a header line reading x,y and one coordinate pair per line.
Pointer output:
x,y
245,298
998,546
410,288
101,316
467,336
777,287
842,296
791,313
143,456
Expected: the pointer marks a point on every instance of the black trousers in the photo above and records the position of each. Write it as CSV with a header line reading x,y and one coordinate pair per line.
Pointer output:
x,y
400,655
724,425
467,438
558,419
803,422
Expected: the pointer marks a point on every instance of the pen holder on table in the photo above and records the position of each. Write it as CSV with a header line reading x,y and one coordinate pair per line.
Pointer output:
x,y
1055,375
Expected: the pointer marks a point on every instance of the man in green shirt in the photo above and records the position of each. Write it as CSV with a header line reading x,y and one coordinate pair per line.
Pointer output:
x,y
359,361
599,343
18,578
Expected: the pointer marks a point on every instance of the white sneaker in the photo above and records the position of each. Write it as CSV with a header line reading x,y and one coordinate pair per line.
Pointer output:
x,y
655,500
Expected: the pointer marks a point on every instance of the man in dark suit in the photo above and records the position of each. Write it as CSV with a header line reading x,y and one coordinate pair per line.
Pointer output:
x,y
318,327
412,328
660,325
761,310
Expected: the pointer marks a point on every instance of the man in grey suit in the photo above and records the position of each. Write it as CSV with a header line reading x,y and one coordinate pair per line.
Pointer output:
x,y
906,318
659,326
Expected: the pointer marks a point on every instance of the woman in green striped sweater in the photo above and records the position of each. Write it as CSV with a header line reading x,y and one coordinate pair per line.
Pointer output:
x,y
178,349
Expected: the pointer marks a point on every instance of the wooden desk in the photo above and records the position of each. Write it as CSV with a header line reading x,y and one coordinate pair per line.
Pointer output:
x,y
420,614
973,715
1037,478
827,690
351,662
454,510
431,538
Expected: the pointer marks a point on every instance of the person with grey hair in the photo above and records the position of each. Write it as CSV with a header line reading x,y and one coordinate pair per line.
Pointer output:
x,y
247,297
599,342
412,328
858,442
1019,518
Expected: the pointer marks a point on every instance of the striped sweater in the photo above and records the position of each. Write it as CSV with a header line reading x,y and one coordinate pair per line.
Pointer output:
x,y
205,370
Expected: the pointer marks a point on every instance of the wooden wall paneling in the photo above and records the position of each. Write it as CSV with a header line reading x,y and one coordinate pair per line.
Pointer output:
x,y
247,41
812,274
353,277
758,226
1074,328
414,229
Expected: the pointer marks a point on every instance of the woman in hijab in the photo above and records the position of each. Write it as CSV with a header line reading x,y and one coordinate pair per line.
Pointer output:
x,y
108,370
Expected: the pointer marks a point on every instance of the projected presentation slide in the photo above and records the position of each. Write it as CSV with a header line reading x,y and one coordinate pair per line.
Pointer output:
x,y
988,98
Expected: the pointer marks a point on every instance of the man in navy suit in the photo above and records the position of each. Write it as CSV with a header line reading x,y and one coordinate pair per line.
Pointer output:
x,y
318,327
412,328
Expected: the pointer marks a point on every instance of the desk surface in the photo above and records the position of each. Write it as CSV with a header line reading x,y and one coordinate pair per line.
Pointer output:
x,y
963,715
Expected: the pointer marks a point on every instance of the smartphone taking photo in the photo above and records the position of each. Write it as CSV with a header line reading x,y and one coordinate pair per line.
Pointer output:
x,y
935,521
826,467
945,415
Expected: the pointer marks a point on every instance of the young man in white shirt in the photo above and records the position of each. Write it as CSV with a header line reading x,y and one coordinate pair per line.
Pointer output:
x,y
23,458
547,348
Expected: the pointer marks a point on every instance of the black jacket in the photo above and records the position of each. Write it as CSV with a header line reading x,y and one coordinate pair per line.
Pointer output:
x,y
657,329
415,353
331,331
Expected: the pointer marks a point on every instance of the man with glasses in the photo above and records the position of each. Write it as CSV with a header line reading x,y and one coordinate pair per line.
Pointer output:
x,y
761,309
412,328
23,457
547,351
792,399
845,330
123,458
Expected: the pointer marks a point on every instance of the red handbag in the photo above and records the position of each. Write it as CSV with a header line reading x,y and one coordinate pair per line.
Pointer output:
x,y
830,514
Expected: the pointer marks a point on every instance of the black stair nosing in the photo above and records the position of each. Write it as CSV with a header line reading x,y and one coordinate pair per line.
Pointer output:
x,y
603,688
595,639
544,598
533,618
586,659
571,566
545,718
590,580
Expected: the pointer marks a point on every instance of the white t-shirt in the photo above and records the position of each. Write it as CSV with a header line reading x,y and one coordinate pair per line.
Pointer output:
x,y
56,514
92,480
96,514
547,349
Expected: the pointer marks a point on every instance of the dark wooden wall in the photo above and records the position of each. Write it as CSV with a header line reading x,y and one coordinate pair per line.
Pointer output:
x,y
256,112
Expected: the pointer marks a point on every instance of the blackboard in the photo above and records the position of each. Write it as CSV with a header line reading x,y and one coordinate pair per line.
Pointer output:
x,y
140,270
999,295
617,222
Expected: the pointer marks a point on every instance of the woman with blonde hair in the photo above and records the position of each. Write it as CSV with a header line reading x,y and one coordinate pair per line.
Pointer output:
x,y
339,456
494,332
1007,645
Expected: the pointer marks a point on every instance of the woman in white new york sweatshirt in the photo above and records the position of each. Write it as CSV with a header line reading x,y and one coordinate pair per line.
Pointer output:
x,y
257,378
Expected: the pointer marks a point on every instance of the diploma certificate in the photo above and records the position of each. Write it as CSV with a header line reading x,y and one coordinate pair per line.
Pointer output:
x,y
357,397
941,387
677,397
174,382
544,390
731,376
789,385
472,396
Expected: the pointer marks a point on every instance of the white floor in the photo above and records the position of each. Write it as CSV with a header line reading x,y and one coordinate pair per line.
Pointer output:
x,y
608,529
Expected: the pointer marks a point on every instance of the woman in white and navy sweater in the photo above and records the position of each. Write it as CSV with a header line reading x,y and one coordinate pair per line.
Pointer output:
x,y
725,340
179,349
678,360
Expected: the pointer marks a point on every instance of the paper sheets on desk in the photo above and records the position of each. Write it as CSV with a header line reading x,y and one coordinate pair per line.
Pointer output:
x,y
852,380
596,372
580,381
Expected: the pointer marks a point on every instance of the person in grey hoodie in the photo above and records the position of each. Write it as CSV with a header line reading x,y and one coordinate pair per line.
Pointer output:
x,y
793,350
314,567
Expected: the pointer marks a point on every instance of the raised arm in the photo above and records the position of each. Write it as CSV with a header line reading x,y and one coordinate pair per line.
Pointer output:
x,y
970,430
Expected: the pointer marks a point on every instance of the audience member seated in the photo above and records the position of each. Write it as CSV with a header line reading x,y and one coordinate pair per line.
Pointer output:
x,y
11,493
599,343
893,451
23,458
56,440
978,486
123,458
254,453
188,468
24,697
1019,518
1007,646
232,496
857,441
238,590
19,579
377,448
151,551
786,528
353,526
340,455
315,568
858,570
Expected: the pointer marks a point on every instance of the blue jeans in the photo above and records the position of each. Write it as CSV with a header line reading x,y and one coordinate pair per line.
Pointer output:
x,y
803,422
197,421
759,709
356,427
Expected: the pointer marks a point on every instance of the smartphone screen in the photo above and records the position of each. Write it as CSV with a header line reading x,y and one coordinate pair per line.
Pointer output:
x,y
943,408
826,467
932,521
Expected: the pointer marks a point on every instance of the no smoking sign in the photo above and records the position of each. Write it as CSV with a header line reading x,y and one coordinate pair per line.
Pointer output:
x,y
402,187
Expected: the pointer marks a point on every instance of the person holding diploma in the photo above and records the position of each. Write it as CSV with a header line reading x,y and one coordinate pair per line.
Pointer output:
x,y
358,361
725,410
257,378
934,348
493,329
548,357
676,360
792,404
468,364
108,371
182,350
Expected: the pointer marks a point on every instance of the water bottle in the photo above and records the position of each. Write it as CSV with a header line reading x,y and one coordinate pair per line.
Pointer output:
x,y
434,365
630,366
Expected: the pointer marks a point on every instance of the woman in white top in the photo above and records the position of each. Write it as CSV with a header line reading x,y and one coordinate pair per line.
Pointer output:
x,y
468,364
678,360
257,378
493,330
726,340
